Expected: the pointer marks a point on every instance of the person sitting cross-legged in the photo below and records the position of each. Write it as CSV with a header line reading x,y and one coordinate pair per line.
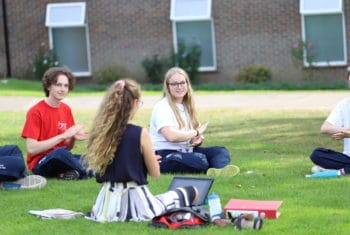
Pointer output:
x,y
122,156
337,126
13,172
178,136
50,130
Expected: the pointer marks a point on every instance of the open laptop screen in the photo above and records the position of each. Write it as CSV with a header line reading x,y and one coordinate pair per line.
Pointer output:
x,y
202,184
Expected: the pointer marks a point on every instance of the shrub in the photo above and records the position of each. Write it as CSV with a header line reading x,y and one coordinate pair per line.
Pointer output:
x,y
43,61
187,58
108,74
155,68
253,74
301,51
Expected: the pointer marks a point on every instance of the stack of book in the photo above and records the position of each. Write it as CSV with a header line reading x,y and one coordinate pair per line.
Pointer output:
x,y
267,209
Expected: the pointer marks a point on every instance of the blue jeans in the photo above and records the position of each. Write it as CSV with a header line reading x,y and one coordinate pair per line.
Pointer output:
x,y
12,165
59,161
330,159
198,161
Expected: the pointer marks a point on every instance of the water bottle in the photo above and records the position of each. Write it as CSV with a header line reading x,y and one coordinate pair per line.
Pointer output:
x,y
324,174
215,209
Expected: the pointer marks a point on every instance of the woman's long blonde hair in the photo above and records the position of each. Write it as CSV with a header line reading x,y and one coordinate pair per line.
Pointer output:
x,y
109,124
188,100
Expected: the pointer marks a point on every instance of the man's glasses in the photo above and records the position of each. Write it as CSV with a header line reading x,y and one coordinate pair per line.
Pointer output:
x,y
177,84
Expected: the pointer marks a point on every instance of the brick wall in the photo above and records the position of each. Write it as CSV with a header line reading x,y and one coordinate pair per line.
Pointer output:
x,y
27,32
2,46
255,32
124,32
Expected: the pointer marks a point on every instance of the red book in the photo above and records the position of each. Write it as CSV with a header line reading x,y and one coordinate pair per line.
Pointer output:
x,y
234,207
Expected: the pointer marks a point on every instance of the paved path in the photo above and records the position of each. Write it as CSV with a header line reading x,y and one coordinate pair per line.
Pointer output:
x,y
271,100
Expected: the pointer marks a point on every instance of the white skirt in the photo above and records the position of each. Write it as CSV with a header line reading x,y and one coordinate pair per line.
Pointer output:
x,y
132,202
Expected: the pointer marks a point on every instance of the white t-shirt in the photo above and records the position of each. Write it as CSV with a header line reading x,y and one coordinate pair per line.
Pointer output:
x,y
163,115
340,117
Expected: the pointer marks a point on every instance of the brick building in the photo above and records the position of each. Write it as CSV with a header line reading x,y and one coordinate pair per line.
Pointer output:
x,y
232,33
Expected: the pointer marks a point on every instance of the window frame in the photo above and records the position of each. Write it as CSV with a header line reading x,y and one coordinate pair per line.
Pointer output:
x,y
318,9
190,18
78,24
175,3
324,11
52,6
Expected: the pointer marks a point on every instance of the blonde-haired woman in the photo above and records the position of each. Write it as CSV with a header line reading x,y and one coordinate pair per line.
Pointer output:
x,y
177,133
121,155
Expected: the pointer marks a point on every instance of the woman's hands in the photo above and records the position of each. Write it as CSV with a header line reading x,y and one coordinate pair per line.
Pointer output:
x,y
198,140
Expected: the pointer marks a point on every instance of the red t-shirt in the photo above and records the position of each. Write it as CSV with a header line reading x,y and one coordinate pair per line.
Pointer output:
x,y
44,122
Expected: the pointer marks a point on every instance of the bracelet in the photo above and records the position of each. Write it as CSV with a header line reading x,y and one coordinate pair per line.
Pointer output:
x,y
197,133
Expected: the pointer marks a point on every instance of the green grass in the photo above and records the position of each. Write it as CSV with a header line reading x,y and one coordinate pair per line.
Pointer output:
x,y
13,87
274,145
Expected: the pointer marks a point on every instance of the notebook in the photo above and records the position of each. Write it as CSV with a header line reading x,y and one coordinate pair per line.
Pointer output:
x,y
202,184
235,207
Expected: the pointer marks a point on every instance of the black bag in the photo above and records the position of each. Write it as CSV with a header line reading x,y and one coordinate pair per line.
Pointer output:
x,y
184,217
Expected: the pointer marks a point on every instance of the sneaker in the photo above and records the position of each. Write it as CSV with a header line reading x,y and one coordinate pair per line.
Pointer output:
x,y
227,171
192,194
316,169
69,175
195,199
244,221
28,182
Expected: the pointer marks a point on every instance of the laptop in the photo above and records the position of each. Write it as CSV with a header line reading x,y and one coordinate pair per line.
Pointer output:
x,y
202,184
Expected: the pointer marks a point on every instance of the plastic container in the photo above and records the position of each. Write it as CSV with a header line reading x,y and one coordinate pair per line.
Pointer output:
x,y
215,209
324,174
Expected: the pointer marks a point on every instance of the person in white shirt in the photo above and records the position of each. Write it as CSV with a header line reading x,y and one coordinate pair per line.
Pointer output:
x,y
337,126
177,134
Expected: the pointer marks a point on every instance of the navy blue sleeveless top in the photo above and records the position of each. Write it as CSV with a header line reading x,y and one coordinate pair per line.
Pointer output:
x,y
128,164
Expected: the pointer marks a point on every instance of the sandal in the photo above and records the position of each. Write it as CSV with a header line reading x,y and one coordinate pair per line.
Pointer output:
x,y
69,175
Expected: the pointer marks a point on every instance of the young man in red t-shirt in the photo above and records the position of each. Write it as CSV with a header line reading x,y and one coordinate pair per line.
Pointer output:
x,y
50,130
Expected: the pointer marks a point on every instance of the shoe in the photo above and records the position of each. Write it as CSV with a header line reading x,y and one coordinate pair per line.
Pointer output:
x,y
195,199
28,182
192,193
90,173
227,171
316,169
244,221
69,175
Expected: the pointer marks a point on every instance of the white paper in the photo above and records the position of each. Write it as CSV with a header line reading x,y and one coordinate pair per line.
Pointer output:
x,y
56,213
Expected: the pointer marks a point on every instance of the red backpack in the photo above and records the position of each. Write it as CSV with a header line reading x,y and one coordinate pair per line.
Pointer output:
x,y
184,217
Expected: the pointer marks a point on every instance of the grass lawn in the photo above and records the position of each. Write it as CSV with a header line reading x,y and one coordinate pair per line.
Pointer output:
x,y
271,148
273,145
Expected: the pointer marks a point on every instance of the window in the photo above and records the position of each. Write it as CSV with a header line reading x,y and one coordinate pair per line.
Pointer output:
x,y
68,34
193,24
323,31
